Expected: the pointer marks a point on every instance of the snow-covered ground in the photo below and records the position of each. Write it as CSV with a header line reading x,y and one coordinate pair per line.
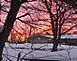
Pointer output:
x,y
40,51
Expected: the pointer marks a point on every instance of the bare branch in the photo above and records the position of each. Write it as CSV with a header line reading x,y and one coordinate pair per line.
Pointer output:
x,y
69,29
23,15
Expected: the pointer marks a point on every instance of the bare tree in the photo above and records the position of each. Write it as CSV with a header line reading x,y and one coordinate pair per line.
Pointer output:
x,y
9,21
63,14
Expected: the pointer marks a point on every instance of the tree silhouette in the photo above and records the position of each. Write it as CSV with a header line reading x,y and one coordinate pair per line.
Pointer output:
x,y
62,15
9,21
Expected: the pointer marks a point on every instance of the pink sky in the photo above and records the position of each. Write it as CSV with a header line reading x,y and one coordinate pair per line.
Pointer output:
x,y
26,28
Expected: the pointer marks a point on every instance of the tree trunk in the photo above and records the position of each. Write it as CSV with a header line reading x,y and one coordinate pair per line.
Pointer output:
x,y
56,42
11,17
55,45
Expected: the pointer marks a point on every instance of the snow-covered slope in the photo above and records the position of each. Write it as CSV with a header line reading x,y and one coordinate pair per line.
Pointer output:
x,y
40,51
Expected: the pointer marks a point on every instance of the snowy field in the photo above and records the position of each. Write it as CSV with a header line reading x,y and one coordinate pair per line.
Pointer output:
x,y
39,51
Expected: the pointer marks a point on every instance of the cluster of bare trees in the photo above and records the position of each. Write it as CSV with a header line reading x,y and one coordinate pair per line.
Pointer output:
x,y
38,15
